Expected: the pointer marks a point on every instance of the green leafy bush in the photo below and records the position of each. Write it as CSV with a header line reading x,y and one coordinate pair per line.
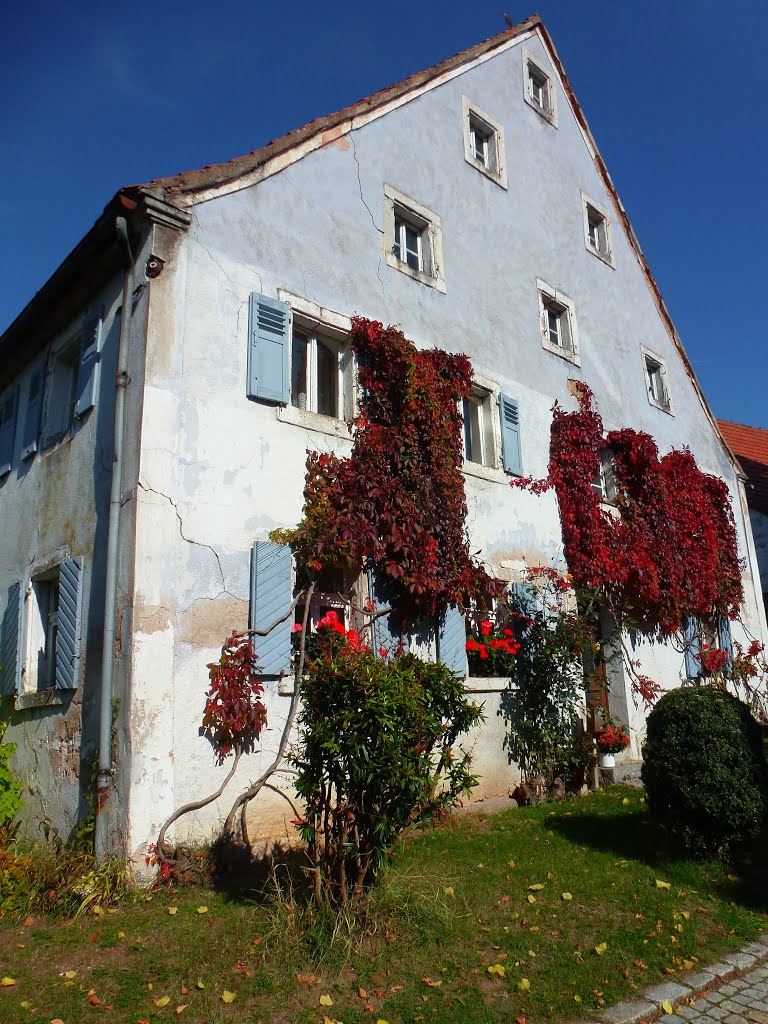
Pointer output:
x,y
704,770
375,754
10,786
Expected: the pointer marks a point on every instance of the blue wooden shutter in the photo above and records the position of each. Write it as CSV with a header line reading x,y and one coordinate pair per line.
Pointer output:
x,y
725,641
68,624
385,630
88,369
9,405
452,641
271,598
30,435
10,641
269,336
692,637
510,435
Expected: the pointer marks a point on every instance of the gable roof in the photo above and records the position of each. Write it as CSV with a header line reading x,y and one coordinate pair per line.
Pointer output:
x,y
190,187
750,446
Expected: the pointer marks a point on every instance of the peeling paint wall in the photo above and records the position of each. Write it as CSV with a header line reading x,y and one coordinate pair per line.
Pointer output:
x,y
218,471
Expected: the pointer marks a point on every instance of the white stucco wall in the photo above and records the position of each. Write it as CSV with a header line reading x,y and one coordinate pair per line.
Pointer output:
x,y
218,471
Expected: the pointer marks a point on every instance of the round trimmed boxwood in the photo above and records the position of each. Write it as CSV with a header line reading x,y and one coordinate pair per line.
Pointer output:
x,y
704,770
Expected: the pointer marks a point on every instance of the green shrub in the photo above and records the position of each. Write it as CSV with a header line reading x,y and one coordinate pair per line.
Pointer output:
x,y
10,787
375,754
704,770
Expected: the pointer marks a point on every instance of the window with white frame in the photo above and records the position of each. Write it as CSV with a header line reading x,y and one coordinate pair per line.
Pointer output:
x,y
538,87
604,483
412,239
484,143
321,368
479,414
656,380
597,230
558,322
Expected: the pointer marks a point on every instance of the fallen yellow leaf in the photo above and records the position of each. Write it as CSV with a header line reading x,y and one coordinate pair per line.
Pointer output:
x,y
331,1020
511,863
325,1000
98,911
227,996
667,1006
535,887
181,1009
567,896
162,1001
662,885
524,985
7,981
25,1004
431,983
200,984
577,999
362,993
172,910
381,1021
448,890
497,969
531,898
601,948
121,935
70,974
202,910
625,801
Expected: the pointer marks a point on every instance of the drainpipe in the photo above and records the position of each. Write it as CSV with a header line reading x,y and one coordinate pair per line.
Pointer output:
x,y
105,771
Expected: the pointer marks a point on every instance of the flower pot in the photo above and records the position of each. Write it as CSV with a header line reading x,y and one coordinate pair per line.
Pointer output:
x,y
607,760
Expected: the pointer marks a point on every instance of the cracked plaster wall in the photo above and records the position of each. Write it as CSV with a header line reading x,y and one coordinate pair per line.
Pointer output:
x,y
218,471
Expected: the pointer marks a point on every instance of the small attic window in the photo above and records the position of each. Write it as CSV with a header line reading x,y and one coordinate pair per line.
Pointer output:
x,y
597,230
539,87
483,142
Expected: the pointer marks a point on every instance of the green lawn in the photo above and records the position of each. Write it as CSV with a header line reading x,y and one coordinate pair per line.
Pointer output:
x,y
457,901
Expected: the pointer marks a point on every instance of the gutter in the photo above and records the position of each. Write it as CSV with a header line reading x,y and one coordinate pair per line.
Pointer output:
x,y
105,770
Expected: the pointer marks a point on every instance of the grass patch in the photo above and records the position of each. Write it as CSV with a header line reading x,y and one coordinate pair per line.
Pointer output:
x,y
457,901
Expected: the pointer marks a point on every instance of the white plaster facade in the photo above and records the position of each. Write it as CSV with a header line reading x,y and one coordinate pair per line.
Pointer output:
x,y
210,471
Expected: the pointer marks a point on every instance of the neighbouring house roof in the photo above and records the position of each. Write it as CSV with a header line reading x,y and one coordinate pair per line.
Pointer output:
x,y
750,446
190,187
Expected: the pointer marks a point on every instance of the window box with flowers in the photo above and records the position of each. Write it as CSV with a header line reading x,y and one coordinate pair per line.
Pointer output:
x,y
492,651
611,740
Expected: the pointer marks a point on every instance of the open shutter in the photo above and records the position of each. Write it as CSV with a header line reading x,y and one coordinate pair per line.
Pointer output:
x,y
9,405
725,641
452,641
510,435
385,630
692,637
269,335
68,624
271,598
88,368
33,416
10,641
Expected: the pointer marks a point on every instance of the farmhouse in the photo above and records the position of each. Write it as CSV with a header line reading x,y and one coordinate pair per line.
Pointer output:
x,y
159,395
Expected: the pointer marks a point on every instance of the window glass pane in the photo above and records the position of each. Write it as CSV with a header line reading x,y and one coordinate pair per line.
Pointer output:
x,y
466,413
327,380
299,347
553,324
473,438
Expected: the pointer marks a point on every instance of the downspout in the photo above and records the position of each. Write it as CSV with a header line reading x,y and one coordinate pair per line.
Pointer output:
x,y
105,770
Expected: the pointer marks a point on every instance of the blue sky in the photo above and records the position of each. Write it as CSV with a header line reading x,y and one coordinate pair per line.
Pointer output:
x,y
96,96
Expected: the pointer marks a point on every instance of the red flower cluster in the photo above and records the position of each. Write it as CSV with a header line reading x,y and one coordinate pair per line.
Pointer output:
x,y
505,643
612,739
332,622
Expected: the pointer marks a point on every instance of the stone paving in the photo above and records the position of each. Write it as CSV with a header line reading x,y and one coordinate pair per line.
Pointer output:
x,y
734,991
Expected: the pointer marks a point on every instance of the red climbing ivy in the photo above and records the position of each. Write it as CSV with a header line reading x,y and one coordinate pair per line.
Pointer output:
x,y
671,551
234,713
397,505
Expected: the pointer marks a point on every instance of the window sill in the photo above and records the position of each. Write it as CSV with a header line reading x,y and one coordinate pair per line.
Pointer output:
x,y
431,280
487,684
550,116
662,408
570,357
604,257
493,476
497,177
40,699
314,421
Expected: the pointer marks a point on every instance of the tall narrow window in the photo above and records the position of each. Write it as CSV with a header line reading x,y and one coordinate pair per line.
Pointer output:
x,y
318,375
483,143
412,239
558,323
656,381
409,242
538,87
597,230
479,441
